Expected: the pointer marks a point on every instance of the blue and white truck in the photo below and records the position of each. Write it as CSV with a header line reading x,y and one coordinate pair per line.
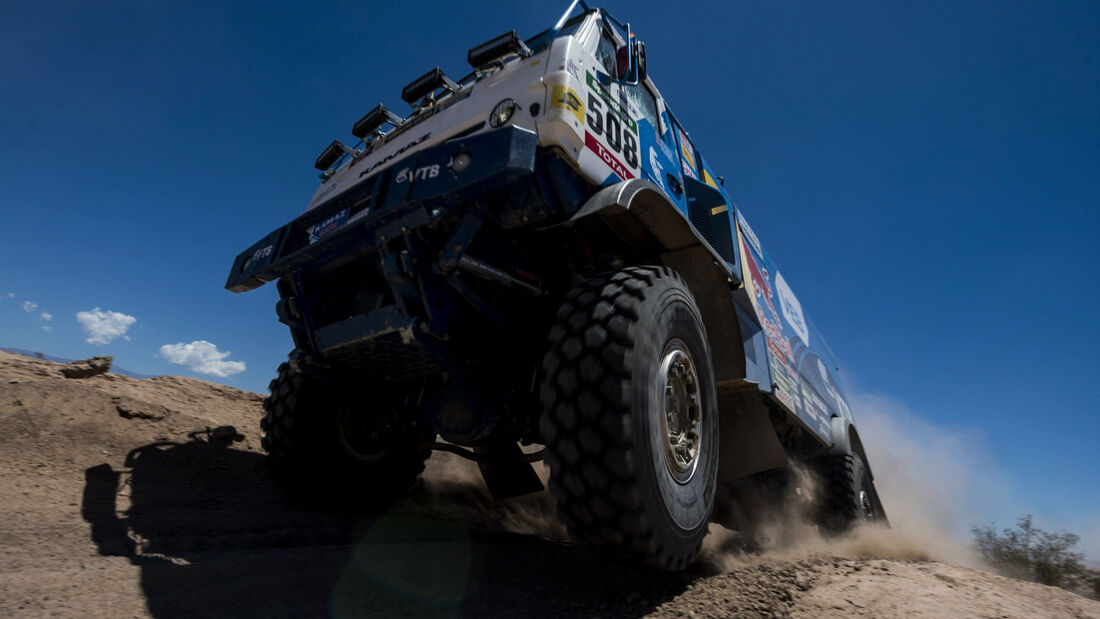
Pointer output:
x,y
538,255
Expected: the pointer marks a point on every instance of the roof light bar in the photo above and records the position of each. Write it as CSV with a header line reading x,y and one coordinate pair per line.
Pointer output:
x,y
425,85
507,43
373,120
331,154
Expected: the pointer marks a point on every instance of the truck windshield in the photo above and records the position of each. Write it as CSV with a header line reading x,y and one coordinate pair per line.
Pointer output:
x,y
539,42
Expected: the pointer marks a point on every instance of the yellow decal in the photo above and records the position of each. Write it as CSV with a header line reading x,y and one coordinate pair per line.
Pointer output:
x,y
708,180
686,152
719,209
563,96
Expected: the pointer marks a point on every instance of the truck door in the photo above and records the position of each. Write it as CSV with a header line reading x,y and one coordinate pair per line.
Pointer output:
x,y
657,144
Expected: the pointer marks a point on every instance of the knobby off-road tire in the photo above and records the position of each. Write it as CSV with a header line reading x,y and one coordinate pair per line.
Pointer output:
x,y
316,438
847,496
619,341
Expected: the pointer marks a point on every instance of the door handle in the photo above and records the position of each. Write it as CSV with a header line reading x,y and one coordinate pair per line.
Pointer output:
x,y
674,184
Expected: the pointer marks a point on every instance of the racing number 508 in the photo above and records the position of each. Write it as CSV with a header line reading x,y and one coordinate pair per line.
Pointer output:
x,y
618,139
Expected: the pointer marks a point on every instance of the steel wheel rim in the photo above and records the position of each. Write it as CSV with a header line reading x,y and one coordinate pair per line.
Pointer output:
x,y
866,506
679,411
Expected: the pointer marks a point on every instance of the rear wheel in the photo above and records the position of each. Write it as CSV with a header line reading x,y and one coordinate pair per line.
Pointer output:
x,y
332,447
630,416
847,493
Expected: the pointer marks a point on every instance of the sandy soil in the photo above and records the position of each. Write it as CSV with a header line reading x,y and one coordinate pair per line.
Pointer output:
x,y
121,498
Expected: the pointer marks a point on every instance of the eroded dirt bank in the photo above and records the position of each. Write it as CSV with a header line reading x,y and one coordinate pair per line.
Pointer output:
x,y
122,497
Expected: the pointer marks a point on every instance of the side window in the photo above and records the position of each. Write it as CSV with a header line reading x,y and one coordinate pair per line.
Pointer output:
x,y
644,102
606,54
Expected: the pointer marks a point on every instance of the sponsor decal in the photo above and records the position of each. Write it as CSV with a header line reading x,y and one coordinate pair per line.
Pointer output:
x,y
263,252
763,292
607,125
326,225
565,97
658,171
409,175
688,156
389,157
792,309
814,406
719,209
613,106
750,236
607,156
611,131
786,387
572,68
661,142
708,179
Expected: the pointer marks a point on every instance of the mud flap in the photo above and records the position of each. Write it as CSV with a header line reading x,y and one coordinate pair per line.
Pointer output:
x,y
507,474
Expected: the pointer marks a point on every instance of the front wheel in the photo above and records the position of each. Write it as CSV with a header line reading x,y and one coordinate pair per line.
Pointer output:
x,y
330,447
630,416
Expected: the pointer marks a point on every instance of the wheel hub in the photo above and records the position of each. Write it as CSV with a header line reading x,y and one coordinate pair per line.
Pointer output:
x,y
681,418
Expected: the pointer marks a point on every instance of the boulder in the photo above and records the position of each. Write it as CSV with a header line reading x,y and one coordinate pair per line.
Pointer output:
x,y
131,408
87,367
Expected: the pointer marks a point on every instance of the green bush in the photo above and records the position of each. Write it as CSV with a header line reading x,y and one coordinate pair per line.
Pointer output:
x,y
1030,553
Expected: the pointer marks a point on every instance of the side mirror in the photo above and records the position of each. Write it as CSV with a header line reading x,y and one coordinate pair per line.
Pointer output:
x,y
631,62
623,58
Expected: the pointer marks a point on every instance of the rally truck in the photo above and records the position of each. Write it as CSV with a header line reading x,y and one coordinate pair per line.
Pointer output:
x,y
536,262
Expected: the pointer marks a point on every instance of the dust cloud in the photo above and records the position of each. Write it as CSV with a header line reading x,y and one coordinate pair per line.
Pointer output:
x,y
934,482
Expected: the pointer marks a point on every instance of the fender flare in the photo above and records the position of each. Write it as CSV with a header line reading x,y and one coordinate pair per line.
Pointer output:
x,y
650,207
846,440
638,202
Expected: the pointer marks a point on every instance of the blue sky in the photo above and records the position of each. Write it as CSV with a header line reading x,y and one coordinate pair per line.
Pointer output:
x,y
926,174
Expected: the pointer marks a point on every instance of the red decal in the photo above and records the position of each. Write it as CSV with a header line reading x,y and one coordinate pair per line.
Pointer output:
x,y
606,156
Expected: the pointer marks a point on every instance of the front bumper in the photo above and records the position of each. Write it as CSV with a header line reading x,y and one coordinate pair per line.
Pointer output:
x,y
408,194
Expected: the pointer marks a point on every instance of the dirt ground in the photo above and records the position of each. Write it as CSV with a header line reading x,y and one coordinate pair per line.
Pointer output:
x,y
122,497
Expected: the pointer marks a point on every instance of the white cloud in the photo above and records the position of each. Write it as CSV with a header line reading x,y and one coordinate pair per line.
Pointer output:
x,y
11,295
46,316
47,328
102,327
29,306
202,357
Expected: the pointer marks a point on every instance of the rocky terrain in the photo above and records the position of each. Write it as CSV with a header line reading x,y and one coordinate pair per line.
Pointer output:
x,y
138,497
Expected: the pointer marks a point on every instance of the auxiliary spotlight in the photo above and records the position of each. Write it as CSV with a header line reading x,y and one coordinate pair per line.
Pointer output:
x,y
373,120
331,154
507,43
427,84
